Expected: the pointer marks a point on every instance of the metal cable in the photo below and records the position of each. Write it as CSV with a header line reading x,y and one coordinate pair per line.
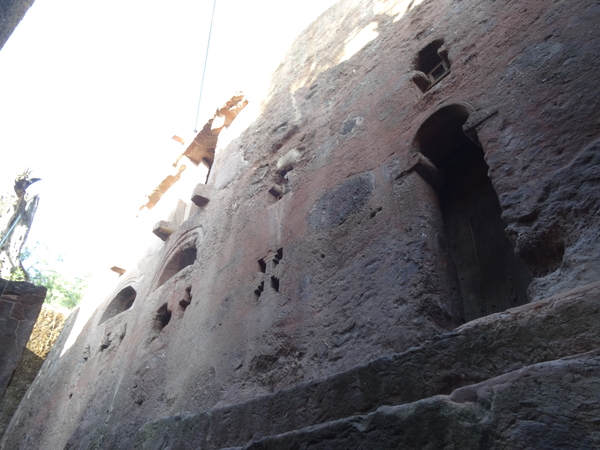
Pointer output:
x,y
204,70
12,227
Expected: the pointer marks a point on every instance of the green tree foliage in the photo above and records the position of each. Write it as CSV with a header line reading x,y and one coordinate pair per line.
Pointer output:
x,y
18,275
43,270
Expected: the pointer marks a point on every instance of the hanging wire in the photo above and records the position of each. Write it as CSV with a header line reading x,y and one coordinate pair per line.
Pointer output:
x,y
7,235
205,61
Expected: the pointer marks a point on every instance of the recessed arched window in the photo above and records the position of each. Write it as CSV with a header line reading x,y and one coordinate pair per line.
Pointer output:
x,y
122,302
180,260
432,64
490,276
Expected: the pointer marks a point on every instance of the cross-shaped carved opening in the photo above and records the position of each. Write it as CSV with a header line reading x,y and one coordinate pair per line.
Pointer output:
x,y
269,267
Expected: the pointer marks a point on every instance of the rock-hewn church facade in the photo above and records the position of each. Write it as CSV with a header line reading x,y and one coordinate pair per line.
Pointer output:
x,y
401,251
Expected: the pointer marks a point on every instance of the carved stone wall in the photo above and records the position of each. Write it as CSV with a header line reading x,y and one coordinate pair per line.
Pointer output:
x,y
20,305
43,336
314,297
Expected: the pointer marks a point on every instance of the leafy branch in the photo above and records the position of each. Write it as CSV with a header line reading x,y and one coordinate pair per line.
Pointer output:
x,y
63,290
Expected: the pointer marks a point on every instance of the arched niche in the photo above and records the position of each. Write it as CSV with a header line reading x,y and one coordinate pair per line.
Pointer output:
x,y
120,303
490,276
183,257
441,135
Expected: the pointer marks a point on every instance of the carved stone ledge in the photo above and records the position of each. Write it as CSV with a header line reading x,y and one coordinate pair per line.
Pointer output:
x,y
201,195
163,230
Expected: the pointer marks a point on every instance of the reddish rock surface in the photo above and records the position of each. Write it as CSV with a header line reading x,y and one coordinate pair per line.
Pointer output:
x,y
351,259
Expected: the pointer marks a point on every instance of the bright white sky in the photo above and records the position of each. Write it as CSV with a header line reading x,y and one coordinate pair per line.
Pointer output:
x,y
91,92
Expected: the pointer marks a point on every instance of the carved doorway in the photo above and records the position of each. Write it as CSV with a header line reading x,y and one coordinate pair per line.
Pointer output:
x,y
490,276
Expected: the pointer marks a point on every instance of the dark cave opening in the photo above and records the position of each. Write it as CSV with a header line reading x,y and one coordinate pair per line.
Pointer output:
x,y
490,276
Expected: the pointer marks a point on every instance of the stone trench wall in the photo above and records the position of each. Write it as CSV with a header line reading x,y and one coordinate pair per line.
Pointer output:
x,y
350,263
45,332
20,304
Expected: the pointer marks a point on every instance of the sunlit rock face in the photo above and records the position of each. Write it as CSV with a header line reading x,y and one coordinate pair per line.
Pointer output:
x,y
416,166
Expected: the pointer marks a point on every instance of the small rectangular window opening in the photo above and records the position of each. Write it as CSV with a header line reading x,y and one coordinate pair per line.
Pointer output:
x,y
276,191
432,65
259,290
278,256
162,318
275,283
262,265
187,298
438,72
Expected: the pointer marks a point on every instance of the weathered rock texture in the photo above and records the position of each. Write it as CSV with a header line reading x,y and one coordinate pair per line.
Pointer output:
x,y
508,412
481,350
43,336
20,304
11,13
350,229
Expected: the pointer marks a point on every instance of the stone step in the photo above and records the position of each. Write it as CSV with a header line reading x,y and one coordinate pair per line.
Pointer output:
x,y
548,405
547,330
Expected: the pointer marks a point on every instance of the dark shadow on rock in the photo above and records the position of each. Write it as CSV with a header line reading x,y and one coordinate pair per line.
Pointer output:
x,y
24,374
